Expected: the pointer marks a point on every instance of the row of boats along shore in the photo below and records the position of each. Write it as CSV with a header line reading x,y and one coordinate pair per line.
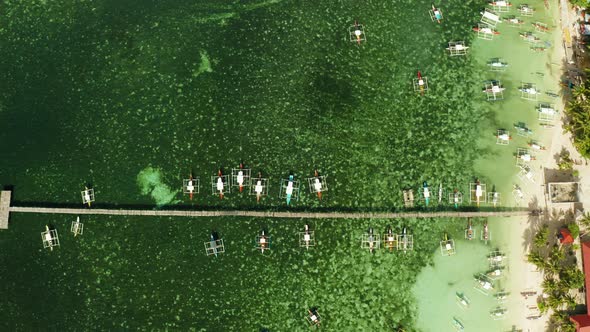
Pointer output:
x,y
240,179
487,282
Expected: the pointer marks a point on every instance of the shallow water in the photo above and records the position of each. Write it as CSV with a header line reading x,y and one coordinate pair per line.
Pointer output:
x,y
495,166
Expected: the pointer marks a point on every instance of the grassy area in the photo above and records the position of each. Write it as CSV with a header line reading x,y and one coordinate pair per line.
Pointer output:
x,y
130,96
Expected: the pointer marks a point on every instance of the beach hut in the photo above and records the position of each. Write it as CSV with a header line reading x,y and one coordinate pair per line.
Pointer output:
x,y
565,236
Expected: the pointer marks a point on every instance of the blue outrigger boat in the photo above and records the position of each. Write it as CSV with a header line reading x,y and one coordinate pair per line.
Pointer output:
x,y
289,190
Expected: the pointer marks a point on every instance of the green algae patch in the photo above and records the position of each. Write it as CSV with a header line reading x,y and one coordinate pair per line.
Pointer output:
x,y
150,183
204,66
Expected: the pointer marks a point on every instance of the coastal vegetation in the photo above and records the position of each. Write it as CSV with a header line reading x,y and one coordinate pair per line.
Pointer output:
x,y
578,118
562,277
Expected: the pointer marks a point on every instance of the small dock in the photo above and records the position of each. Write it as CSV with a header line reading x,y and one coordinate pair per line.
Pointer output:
x,y
4,208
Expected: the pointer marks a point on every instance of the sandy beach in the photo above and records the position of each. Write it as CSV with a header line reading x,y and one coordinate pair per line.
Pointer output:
x,y
518,232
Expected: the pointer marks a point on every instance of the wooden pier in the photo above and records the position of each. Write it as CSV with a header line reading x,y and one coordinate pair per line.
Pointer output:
x,y
270,214
4,208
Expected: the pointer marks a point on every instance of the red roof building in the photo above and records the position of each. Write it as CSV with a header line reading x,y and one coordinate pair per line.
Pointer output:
x,y
565,237
582,322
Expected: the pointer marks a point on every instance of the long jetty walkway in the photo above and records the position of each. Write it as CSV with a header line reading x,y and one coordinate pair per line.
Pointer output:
x,y
5,209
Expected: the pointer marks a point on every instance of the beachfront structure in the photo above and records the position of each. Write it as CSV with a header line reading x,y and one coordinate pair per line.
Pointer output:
x,y
262,242
408,195
318,184
307,237
490,18
526,10
564,192
50,238
503,137
240,177
497,64
582,322
457,48
501,6
220,184
259,186
529,91
370,240
356,33
214,246
77,227
88,196
191,186
493,90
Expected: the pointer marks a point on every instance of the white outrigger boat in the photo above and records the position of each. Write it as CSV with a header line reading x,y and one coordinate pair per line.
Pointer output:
x,y
496,259
498,313
483,284
462,300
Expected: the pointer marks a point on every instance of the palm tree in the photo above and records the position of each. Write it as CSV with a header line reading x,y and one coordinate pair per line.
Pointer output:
x,y
541,237
570,302
535,258
550,285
